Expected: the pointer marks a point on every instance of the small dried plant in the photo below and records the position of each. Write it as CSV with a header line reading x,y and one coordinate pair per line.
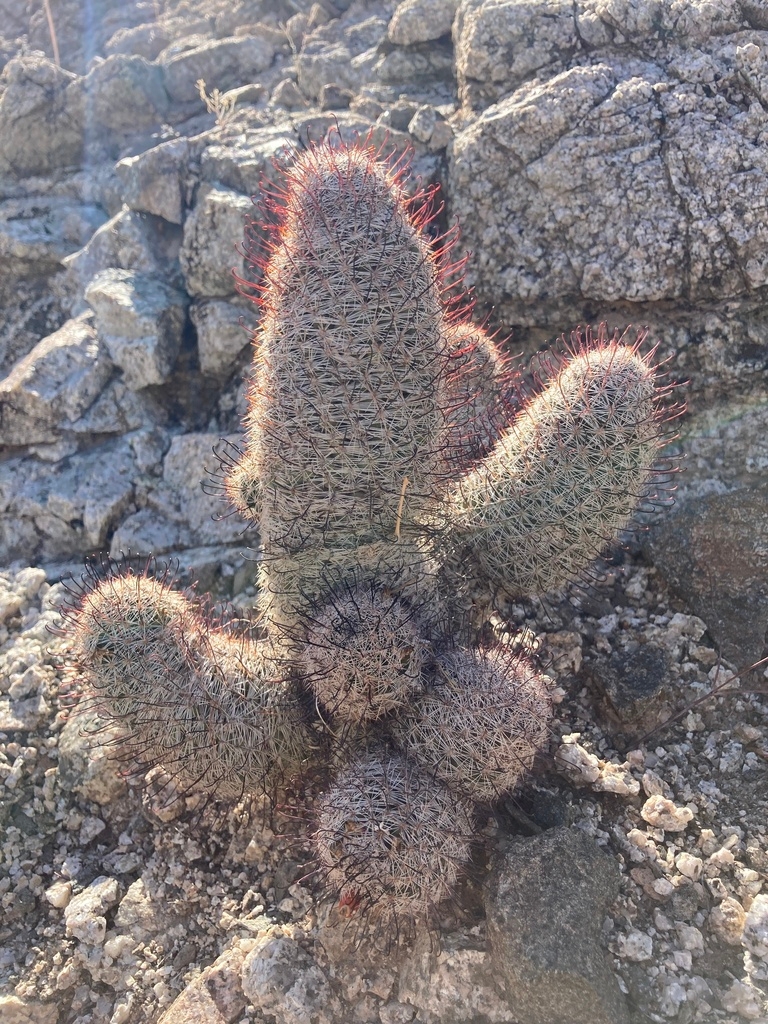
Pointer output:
x,y
216,102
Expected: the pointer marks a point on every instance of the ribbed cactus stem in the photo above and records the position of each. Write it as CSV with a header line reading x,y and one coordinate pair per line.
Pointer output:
x,y
346,422
364,654
564,479
391,839
480,724
210,707
479,393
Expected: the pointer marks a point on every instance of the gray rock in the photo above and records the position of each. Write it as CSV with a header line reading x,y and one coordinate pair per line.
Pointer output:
x,y
140,321
631,677
117,410
38,232
41,117
333,97
51,388
222,333
151,531
84,914
221,63
452,988
189,463
54,511
27,1011
430,66
343,52
283,981
85,764
125,95
178,513
212,232
500,44
81,30
545,903
30,309
138,912
241,162
215,997
145,40
611,181
24,715
419,21
287,94
153,181
714,554
128,241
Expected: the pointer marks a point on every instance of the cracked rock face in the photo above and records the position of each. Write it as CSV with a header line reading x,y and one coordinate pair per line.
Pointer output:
x,y
617,176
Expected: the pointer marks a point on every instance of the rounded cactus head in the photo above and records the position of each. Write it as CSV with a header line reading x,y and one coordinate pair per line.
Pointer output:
x,y
391,840
364,653
479,727
126,631
482,392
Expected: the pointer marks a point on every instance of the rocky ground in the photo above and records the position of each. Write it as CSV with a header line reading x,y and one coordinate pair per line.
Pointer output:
x,y
606,159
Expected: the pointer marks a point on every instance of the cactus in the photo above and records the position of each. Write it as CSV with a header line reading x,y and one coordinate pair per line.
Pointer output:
x,y
192,696
395,468
391,839
564,478
364,654
480,725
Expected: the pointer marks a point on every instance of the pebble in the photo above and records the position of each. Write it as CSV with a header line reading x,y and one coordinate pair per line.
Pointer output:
x,y
83,915
689,865
755,935
672,999
690,938
59,894
743,999
581,767
616,778
663,813
635,946
727,921
663,887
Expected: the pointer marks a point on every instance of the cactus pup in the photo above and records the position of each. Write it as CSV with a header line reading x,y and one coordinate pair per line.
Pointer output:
x,y
395,470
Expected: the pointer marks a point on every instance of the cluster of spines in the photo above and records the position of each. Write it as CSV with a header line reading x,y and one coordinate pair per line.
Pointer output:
x,y
394,466
391,839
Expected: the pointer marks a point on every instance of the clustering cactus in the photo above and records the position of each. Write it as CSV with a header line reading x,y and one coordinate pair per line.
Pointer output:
x,y
396,472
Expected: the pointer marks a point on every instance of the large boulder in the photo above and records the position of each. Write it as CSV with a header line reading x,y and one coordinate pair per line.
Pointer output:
x,y
212,233
51,387
126,95
141,321
42,121
609,165
546,901
221,63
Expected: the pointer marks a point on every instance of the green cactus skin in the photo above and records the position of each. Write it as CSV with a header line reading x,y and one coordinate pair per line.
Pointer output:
x,y
564,479
481,723
208,706
391,840
365,654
